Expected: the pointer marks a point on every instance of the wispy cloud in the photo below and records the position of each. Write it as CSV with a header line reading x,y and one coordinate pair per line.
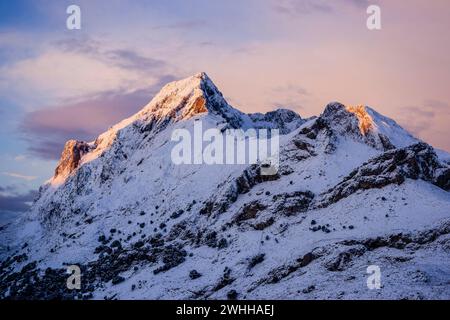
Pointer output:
x,y
291,89
437,105
422,120
76,68
20,157
123,58
7,189
299,7
303,7
360,3
288,96
129,59
17,202
207,44
19,176
188,24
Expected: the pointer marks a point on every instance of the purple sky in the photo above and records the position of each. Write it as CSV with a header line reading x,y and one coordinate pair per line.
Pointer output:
x,y
57,84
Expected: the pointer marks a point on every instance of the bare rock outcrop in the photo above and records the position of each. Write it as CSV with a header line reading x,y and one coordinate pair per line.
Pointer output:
x,y
418,161
70,157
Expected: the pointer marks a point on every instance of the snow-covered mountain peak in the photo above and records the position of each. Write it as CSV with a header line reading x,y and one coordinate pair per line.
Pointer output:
x,y
353,189
364,124
184,98
177,101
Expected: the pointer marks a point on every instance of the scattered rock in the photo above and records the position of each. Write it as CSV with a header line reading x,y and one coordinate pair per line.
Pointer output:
x,y
256,260
232,295
117,280
309,289
194,274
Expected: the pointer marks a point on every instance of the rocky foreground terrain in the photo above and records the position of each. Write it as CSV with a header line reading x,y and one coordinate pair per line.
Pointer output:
x,y
353,189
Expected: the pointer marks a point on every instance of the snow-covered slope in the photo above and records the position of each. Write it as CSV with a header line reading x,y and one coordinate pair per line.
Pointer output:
x,y
353,189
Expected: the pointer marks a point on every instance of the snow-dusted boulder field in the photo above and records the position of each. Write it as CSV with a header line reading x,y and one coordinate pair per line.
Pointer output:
x,y
353,190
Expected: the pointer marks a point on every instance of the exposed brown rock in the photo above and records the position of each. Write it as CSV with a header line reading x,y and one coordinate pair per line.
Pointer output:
x,y
249,211
70,157
418,161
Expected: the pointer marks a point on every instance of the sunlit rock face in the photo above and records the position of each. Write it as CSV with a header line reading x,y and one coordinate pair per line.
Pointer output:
x,y
356,123
364,119
70,158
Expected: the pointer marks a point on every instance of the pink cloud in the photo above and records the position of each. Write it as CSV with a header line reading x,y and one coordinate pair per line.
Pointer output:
x,y
48,129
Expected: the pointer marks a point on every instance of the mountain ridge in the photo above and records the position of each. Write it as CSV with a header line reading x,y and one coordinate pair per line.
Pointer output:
x,y
353,189
197,94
